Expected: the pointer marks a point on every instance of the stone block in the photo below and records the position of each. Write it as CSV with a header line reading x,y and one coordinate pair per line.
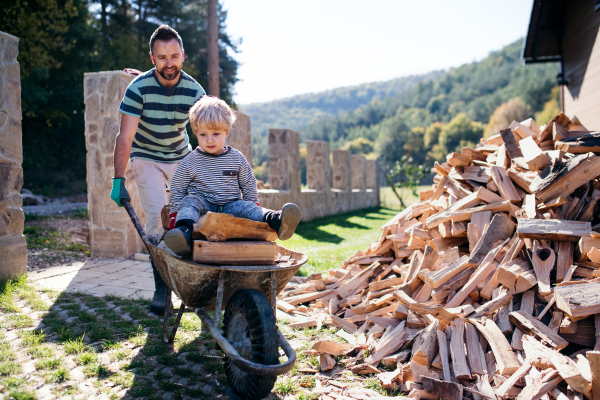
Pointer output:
x,y
110,130
3,119
91,84
107,243
372,174
11,180
114,220
240,137
15,219
96,172
124,81
13,90
342,175
134,242
92,109
2,87
109,164
11,145
318,168
358,172
95,207
11,47
13,256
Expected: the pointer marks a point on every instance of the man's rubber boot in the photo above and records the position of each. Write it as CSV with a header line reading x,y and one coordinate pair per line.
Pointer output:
x,y
284,222
160,293
179,240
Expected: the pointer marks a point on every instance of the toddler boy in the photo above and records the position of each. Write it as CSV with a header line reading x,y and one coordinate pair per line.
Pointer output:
x,y
217,178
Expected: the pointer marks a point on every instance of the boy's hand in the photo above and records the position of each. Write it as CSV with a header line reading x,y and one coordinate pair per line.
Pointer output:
x,y
119,191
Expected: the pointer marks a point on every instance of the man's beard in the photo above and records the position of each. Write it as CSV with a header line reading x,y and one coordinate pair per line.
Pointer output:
x,y
169,75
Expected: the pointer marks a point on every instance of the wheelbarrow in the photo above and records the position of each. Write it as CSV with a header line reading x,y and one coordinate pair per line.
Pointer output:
x,y
250,338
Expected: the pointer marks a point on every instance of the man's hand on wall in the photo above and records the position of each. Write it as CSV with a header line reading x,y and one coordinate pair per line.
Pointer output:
x,y
119,191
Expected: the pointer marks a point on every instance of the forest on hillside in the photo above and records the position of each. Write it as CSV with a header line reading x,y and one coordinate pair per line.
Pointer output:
x,y
60,40
298,111
438,116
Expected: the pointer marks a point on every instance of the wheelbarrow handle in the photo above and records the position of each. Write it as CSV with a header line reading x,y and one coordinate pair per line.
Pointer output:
x,y
134,218
242,363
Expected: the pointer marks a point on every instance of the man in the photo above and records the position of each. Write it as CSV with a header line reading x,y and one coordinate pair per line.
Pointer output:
x,y
153,134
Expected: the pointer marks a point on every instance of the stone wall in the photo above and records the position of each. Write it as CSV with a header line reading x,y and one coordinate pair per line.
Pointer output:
x,y
239,137
111,231
13,247
319,199
349,184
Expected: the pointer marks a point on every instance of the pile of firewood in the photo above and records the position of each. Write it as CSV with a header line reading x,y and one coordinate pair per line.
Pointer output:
x,y
484,289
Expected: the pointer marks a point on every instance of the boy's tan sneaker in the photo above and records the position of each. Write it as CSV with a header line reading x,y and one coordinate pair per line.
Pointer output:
x,y
290,217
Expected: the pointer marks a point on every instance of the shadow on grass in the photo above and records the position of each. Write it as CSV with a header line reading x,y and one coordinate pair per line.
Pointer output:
x,y
313,230
115,343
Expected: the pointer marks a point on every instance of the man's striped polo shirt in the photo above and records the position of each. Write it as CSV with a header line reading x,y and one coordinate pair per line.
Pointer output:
x,y
164,113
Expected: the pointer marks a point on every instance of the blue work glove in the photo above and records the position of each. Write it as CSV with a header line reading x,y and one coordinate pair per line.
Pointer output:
x,y
119,191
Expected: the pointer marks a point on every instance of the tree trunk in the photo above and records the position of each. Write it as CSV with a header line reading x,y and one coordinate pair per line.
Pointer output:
x,y
213,49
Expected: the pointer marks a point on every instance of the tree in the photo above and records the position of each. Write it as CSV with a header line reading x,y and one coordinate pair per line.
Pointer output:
x,y
390,144
414,146
513,110
432,134
359,146
460,132
551,108
405,174
60,40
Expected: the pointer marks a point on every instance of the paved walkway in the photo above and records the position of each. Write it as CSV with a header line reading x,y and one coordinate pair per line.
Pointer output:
x,y
100,276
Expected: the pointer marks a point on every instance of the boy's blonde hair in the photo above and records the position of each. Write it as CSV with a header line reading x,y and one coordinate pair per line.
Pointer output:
x,y
211,113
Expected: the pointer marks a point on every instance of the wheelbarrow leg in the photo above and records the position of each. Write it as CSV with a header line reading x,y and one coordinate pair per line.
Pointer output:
x,y
219,304
167,314
274,293
168,311
177,321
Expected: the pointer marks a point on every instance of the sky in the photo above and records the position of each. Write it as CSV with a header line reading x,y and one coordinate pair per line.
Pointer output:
x,y
291,47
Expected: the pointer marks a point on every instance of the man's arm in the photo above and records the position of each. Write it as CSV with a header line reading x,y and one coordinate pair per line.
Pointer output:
x,y
129,125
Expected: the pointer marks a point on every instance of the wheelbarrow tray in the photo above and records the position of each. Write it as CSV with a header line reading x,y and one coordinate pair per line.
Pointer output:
x,y
196,284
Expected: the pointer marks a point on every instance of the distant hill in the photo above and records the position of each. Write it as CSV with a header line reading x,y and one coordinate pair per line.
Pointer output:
x,y
298,111
445,112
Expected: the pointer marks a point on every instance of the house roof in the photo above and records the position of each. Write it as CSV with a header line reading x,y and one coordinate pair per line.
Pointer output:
x,y
546,26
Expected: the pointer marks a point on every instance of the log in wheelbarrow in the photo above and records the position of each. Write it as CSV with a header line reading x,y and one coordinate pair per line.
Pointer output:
x,y
250,338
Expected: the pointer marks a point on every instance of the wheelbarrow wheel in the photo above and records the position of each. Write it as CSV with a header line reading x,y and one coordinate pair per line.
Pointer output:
x,y
249,325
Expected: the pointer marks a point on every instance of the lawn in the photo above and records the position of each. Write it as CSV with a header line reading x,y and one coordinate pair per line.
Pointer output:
x,y
388,198
329,241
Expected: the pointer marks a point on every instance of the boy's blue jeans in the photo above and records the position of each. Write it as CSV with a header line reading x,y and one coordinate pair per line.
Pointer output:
x,y
193,207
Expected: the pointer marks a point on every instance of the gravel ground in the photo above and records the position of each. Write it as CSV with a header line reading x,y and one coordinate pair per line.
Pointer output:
x,y
53,208
56,235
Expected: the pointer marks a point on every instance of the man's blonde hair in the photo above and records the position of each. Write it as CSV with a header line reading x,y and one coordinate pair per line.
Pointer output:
x,y
211,113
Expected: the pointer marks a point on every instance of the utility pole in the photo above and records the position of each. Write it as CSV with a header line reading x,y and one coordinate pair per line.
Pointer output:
x,y
213,49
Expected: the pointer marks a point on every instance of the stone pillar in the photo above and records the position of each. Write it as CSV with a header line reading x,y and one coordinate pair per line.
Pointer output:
x,y
111,232
284,160
239,137
358,172
13,247
342,173
373,176
318,169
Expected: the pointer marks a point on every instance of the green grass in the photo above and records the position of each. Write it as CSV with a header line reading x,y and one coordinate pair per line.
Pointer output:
x,y
32,338
102,334
285,386
49,363
75,346
329,241
87,358
388,199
